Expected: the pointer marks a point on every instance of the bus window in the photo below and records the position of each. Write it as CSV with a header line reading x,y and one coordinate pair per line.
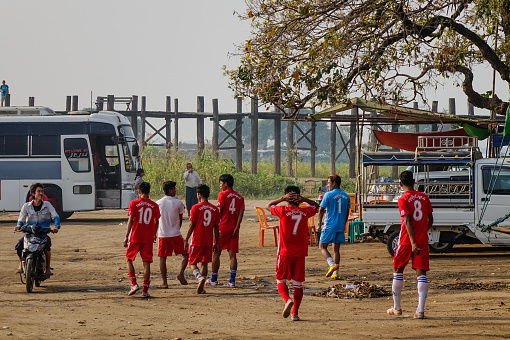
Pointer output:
x,y
46,145
112,155
76,151
14,145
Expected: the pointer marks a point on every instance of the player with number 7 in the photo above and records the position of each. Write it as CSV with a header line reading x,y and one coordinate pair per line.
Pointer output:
x,y
292,246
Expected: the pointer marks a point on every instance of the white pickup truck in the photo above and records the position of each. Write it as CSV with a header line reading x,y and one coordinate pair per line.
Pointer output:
x,y
464,201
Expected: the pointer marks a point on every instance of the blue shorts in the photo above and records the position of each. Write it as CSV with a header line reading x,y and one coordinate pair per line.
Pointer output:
x,y
332,236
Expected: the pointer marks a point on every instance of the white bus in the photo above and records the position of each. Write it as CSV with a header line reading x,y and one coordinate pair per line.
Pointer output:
x,y
85,161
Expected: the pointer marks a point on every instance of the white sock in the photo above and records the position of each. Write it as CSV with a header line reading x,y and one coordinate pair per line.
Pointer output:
x,y
335,272
197,274
330,261
396,289
423,288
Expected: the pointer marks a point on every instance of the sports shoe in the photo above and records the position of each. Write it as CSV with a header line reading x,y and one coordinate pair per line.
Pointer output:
x,y
288,307
182,279
201,285
294,318
419,315
331,269
211,283
231,284
335,277
146,295
134,289
392,311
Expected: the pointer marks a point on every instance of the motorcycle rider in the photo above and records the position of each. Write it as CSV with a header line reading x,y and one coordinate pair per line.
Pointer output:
x,y
38,212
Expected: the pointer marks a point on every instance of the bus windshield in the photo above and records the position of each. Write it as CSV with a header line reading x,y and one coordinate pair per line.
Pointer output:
x,y
126,141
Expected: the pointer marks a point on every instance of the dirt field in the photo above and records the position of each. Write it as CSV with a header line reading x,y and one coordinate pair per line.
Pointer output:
x,y
87,295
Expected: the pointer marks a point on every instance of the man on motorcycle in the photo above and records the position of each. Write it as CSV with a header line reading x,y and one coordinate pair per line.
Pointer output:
x,y
38,212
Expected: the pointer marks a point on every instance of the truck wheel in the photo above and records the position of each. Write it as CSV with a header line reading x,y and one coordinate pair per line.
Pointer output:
x,y
440,247
392,242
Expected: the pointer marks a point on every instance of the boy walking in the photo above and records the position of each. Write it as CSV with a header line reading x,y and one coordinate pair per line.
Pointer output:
x,y
141,234
231,207
169,232
204,222
293,246
416,213
335,205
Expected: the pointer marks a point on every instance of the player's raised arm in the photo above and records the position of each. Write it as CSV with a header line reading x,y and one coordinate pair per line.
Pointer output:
x,y
308,201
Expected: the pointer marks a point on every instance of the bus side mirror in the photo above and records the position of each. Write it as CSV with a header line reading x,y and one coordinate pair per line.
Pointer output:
x,y
135,151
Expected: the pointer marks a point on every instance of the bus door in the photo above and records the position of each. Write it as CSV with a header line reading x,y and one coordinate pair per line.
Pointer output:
x,y
78,191
106,164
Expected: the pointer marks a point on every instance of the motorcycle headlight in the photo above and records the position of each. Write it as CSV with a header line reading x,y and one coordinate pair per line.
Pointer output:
x,y
32,247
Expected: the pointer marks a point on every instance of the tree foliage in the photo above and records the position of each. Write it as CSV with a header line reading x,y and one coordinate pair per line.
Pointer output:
x,y
306,53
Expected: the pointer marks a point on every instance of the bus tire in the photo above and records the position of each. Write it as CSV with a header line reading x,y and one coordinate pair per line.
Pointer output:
x,y
55,198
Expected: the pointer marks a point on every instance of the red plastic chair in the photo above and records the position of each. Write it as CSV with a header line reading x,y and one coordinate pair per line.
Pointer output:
x,y
264,226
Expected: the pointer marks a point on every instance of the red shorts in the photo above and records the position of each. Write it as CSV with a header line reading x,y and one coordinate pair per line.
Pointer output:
x,y
200,254
404,253
290,268
167,245
145,250
227,242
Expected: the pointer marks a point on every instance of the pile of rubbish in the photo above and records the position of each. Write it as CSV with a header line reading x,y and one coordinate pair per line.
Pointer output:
x,y
354,290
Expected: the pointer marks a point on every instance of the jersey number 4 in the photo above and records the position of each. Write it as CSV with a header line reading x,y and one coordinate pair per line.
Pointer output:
x,y
232,206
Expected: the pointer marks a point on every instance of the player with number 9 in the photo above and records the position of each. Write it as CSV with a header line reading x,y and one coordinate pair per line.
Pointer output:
x,y
292,245
141,232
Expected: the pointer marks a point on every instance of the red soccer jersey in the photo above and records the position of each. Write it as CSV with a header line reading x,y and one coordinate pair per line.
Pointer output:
x,y
293,229
145,212
232,203
206,216
417,205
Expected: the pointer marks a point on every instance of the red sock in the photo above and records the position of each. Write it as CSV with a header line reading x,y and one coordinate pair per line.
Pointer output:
x,y
132,277
146,284
298,296
283,290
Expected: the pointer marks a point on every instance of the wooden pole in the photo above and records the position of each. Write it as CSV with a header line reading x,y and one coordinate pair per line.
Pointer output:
x,y
278,144
254,134
394,168
75,103
142,123
471,109
451,106
99,100
31,101
332,148
176,124
239,136
216,128
352,145
68,103
313,147
134,117
416,126
110,102
434,109
290,146
200,125
8,99
168,122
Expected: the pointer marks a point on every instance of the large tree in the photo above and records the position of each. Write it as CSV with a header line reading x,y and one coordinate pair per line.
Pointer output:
x,y
307,53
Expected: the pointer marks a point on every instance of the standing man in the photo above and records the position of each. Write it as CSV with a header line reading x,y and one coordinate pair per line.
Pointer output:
x,y
192,181
231,206
293,246
169,232
416,213
140,235
4,91
336,204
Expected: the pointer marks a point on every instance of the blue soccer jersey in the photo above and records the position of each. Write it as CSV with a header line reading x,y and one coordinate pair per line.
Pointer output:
x,y
337,204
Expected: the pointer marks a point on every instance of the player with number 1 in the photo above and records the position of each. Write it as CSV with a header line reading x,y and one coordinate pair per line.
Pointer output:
x,y
293,245
141,232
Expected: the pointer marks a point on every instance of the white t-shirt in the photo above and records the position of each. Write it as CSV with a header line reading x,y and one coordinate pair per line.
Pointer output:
x,y
170,208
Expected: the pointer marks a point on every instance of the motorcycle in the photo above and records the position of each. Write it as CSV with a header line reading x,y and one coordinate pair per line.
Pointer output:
x,y
33,259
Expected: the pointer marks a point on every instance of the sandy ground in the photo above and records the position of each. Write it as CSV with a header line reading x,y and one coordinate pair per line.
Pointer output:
x,y
87,296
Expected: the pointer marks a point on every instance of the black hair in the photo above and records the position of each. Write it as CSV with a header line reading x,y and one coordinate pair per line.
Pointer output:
x,y
335,179
144,188
203,190
34,187
139,172
167,186
293,188
227,178
406,177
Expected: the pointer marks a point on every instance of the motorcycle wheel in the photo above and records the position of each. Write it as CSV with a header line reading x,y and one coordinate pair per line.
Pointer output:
x,y
30,275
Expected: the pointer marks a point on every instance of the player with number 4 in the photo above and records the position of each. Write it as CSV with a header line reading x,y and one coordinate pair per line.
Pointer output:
x,y
141,232
335,206
231,207
293,245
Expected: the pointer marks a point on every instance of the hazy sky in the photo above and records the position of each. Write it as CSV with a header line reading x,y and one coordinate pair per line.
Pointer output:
x,y
55,48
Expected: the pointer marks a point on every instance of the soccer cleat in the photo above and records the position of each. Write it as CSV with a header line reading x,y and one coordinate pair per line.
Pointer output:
x,y
419,315
211,283
134,289
393,311
182,279
288,307
331,269
231,284
294,318
146,295
201,284
335,277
